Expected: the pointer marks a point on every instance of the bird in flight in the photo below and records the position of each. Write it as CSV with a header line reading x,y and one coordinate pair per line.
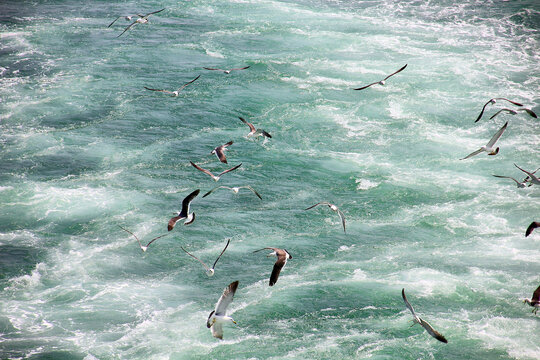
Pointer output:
x,y
535,300
215,177
531,227
282,257
209,271
218,316
143,248
417,320
176,92
533,179
383,81
489,146
143,19
234,189
184,213
255,132
220,152
493,101
514,112
333,208
227,71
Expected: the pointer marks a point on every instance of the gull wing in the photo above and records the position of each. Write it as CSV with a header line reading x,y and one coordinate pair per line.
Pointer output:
x,y
231,169
431,331
114,21
243,68
500,111
529,231
207,68
342,217
409,306
280,263
365,87
319,203
173,221
189,82
135,236
153,12
253,191
214,189
497,135
154,239
530,112
510,101
248,124
473,154
201,169
482,112
531,175
225,248
217,330
226,298
196,258
264,133
536,295
187,200
394,73
507,177
127,28
160,90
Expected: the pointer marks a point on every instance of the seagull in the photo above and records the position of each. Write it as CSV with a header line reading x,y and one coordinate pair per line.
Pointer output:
x,y
216,178
535,301
489,146
143,19
255,132
519,184
220,152
227,71
534,180
128,18
184,214
531,227
383,81
209,271
217,317
176,92
234,189
417,320
514,112
143,248
282,257
493,101
334,208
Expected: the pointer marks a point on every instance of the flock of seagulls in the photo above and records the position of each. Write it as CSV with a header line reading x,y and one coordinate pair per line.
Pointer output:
x,y
218,316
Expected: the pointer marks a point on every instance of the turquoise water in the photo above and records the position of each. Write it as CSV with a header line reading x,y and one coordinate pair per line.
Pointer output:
x,y
85,148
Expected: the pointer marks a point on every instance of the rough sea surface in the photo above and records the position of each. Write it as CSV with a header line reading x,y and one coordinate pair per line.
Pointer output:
x,y
85,148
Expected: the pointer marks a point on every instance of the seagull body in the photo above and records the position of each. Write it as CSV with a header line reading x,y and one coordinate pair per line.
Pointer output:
x,y
533,179
143,19
383,81
220,152
127,17
215,177
184,213
489,146
514,112
176,92
234,189
209,271
282,257
255,132
493,101
143,248
333,208
218,316
227,71
417,320
535,300
531,227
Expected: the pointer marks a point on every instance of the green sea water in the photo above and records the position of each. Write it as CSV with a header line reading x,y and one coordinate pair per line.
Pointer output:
x,y
84,148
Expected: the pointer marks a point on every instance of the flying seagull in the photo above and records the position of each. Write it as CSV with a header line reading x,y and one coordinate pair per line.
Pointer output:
x,y
234,189
217,317
531,227
209,271
282,257
254,131
143,19
383,81
534,180
417,320
493,101
227,71
220,152
143,248
216,178
535,301
127,17
514,112
489,146
184,214
176,92
519,184
334,208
